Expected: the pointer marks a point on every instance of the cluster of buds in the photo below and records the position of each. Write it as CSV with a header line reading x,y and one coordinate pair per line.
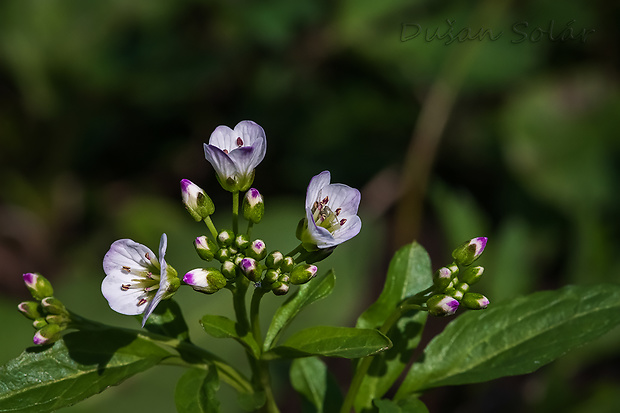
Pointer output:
x,y
240,256
48,314
451,284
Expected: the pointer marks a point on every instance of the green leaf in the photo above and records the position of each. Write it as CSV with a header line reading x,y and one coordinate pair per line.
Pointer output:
x,y
223,327
310,377
409,273
167,320
410,405
196,391
517,337
330,341
306,294
82,364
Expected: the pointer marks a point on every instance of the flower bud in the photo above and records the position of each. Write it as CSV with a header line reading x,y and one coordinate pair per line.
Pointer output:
x,y
251,269
38,285
271,275
30,309
223,254
475,301
242,241
229,270
279,288
205,280
205,248
225,238
441,305
196,201
442,278
53,305
47,334
253,206
469,251
454,293
472,275
256,250
287,264
39,323
274,259
61,319
303,273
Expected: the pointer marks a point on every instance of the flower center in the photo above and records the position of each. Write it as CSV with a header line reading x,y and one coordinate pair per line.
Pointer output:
x,y
325,217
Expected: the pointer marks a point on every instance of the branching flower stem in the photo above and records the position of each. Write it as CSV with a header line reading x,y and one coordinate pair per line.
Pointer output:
x,y
211,227
235,212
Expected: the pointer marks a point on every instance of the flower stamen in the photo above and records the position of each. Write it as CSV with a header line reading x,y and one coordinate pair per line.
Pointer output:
x,y
142,301
125,287
239,142
126,269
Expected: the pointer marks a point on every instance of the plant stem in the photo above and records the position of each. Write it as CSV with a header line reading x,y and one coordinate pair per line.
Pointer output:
x,y
254,313
235,212
212,228
364,364
249,231
297,249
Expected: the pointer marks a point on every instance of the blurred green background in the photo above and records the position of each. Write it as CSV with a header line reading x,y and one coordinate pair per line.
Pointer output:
x,y
105,105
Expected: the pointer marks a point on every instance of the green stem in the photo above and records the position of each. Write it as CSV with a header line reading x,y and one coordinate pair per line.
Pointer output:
x,y
254,313
296,250
212,228
235,212
249,231
364,364
241,313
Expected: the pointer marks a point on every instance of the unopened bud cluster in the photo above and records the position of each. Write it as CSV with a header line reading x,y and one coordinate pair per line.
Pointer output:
x,y
48,314
240,256
452,283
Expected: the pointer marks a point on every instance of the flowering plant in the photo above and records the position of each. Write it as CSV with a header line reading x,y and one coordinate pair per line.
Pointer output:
x,y
75,358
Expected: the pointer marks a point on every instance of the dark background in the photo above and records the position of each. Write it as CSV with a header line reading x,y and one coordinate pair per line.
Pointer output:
x,y
104,107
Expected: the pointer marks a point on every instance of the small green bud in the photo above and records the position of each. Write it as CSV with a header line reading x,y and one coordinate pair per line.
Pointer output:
x,y
271,275
475,301
205,248
30,309
462,287
279,288
441,305
469,251
453,292
303,273
205,280
38,285
237,259
47,334
253,206
229,270
242,241
256,250
39,323
251,269
223,254
287,264
62,319
302,226
196,201
225,238
284,278
53,305
274,259
472,275
442,278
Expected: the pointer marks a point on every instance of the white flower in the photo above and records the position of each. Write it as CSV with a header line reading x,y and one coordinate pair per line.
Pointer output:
x,y
135,280
235,153
331,213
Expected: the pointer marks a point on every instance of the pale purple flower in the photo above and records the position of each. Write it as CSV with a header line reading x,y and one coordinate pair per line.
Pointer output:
x,y
136,281
234,153
331,213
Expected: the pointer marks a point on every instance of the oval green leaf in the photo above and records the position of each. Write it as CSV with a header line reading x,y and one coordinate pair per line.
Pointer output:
x,y
196,391
516,337
330,341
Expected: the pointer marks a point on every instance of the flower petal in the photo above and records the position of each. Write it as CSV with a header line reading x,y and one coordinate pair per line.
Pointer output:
x,y
344,197
121,301
314,187
319,235
223,138
350,229
221,162
164,283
